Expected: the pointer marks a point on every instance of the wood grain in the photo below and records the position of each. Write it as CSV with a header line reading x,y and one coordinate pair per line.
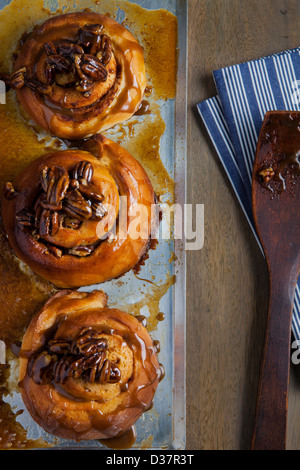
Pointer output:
x,y
227,295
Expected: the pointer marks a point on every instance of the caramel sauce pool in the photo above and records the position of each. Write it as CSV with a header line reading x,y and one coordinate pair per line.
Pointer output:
x,y
22,293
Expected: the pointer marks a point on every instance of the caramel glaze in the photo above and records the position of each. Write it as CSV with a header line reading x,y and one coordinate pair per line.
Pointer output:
x,y
21,143
78,410
124,441
280,168
110,258
69,114
12,434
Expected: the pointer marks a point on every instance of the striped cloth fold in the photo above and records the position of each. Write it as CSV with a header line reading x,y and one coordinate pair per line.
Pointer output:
x,y
233,119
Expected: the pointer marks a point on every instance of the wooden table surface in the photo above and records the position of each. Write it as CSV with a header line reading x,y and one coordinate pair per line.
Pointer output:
x,y
227,293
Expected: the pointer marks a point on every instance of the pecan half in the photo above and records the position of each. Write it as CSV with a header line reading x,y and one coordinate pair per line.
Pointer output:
x,y
93,29
69,49
54,227
55,251
108,373
85,86
96,46
40,367
96,368
89,341
64,368
38,212
81,251
74,183
105,50
75,206
48,223
55,182
99,210
25,218
51,207
93,68
59,346
87,34
9,191
35,85
44,178
90,191
50,74
61,63
77,63
71,223
17,79
49,48
83,171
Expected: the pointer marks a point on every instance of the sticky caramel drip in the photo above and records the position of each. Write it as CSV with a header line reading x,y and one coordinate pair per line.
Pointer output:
x,y
143,355
83,358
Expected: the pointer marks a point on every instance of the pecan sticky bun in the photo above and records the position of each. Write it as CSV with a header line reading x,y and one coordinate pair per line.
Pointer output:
x,y
79,74
71,217
87,371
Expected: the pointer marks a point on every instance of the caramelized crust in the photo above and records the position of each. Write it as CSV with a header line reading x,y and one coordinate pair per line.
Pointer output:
x,y
87,371
79,74
70,215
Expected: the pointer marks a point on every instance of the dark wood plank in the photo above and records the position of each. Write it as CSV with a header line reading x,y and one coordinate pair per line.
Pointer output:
x,y
227,280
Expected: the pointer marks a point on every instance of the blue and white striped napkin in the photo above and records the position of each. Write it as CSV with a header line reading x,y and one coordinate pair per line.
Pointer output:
x,y
233,119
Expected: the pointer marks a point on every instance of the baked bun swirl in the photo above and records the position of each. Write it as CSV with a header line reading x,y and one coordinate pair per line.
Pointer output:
x,y
87,371
71,216
79,74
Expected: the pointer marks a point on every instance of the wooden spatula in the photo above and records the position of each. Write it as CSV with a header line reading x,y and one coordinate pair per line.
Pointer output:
x,y
276,208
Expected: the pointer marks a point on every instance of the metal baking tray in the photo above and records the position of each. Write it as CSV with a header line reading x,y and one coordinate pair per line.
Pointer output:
x,y
163,427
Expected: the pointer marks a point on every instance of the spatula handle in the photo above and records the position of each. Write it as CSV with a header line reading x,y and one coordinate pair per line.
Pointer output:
x,y
272,401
